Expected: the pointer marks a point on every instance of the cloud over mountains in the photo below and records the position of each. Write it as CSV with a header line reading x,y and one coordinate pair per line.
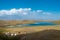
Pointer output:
x,y
22,11
25,14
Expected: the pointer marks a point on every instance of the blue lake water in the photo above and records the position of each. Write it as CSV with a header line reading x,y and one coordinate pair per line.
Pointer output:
x,y
39,24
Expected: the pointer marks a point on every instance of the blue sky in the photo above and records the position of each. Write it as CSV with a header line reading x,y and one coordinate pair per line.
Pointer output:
x,y
30,9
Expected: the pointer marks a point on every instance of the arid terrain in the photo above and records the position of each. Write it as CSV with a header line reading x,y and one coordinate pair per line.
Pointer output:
x,y
15,22
4,23
32,33
29,33
31,29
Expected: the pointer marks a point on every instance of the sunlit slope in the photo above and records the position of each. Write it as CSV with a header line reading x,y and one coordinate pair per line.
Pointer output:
x,y
31,29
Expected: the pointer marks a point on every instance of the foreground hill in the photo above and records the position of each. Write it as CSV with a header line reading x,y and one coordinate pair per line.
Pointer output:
x,y
44,35
50,34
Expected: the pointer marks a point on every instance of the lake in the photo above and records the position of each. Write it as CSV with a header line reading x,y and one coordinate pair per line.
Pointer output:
x,y
38,24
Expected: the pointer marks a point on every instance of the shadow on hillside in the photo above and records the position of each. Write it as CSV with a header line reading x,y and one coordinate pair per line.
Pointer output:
x,y
50,34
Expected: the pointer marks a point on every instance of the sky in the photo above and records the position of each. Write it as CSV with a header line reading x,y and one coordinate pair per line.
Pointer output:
x,y
30,9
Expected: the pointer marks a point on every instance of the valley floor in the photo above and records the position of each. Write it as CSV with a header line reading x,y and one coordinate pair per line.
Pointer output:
x,y
30,29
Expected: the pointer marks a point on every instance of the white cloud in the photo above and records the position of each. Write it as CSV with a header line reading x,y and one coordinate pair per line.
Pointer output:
x,y
22,11
46,13
25,13
39,10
